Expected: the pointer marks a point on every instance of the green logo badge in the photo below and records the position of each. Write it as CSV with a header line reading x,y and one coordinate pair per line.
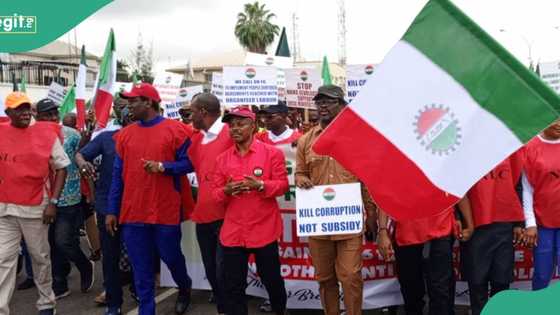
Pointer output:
x,y
250,73
329,194
258,172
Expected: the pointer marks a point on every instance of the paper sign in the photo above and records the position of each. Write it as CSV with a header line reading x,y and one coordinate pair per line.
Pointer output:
x,y
167,84
184,95
122,87
550,73
329,210
356,77
56,93
217,86
301,86
248,85
254,59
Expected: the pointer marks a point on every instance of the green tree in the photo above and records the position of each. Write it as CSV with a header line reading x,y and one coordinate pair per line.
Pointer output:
x,y
254,30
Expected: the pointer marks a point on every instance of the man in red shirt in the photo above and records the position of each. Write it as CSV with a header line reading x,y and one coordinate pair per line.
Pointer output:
x,y
150,162
212,140
249,176
278,132
488,258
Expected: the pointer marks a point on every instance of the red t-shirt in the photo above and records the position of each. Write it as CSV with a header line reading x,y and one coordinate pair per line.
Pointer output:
x,y
493,198
542,167
24,162
151,198
419,231
252,219
203,157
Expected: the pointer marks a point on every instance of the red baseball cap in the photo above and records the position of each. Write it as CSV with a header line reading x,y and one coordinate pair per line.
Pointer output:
x,y
144,90
239,112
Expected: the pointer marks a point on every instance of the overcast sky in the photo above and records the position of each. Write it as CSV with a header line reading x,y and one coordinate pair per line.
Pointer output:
x,y
180,29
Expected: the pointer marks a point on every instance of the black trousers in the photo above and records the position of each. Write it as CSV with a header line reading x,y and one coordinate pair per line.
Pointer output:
x,y
437,276
488,259
268,266
208,236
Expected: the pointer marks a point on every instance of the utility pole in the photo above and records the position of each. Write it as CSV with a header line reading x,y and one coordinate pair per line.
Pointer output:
x,y
341,33
295,38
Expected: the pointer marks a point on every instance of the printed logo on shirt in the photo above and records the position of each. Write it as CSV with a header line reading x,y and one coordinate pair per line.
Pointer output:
x,y
437,129
303,75
258,172
369,69
250,73
329,194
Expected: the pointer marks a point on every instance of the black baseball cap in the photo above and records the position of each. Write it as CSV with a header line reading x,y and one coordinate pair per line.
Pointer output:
x,y
46,105
281,107
331,91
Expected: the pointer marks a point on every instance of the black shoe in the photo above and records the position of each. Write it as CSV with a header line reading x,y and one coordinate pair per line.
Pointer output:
x,y
87,277
61,294
27,284
183,302
49,311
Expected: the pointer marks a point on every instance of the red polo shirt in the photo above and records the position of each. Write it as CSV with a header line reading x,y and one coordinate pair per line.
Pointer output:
x,y
207,209
252,219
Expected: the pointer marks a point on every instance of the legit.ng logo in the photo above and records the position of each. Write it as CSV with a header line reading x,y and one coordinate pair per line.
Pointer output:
x,y
329,194
18,24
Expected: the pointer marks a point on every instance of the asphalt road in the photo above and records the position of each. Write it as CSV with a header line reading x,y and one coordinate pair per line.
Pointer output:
x,y
23,302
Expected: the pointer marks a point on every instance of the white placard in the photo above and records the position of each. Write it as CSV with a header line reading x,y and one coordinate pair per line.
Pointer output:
x,y
167,84
122,87
217,86
253,59
550,73
356,77
56,93
184,95
329,210
248,85
301,86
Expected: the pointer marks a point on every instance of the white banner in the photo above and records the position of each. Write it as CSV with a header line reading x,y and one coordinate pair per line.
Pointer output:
x,y
329,210
301,86
356,77
167,84
56,93
550,73
217,86
250,85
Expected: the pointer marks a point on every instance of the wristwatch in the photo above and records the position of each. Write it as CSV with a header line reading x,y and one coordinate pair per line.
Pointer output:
x,y
261,187
161,168
53,201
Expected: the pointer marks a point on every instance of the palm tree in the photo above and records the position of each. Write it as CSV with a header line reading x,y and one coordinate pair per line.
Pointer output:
x,y
254,29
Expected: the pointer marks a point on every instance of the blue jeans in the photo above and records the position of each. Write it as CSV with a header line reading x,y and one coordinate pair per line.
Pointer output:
x,y
64,238
208,237
111,252
545,256
140,240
